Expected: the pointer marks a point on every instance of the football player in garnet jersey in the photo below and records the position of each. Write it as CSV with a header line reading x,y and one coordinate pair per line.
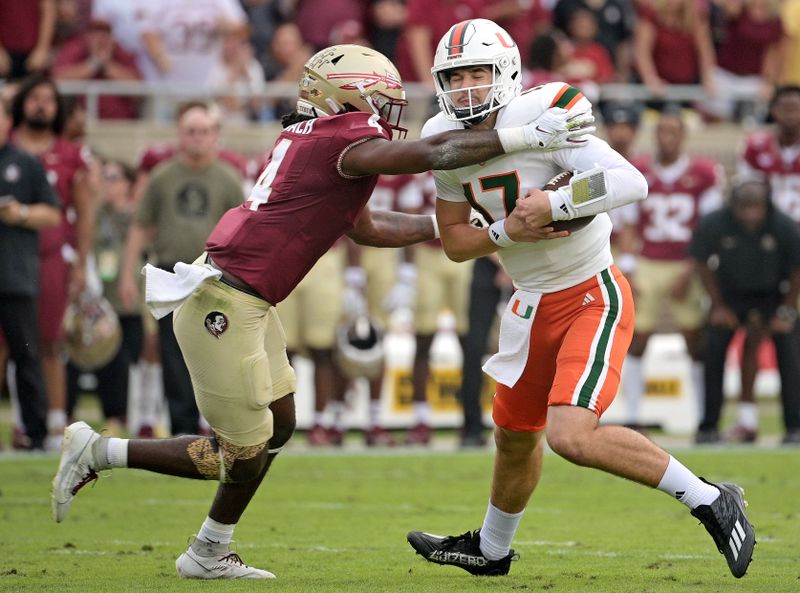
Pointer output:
x,y
322,171
682,190
566,329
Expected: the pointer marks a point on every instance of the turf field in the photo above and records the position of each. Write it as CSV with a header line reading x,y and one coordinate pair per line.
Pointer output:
x,y
337,523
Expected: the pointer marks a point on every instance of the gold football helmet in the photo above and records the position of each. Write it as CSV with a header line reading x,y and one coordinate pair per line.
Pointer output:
x,y
345,78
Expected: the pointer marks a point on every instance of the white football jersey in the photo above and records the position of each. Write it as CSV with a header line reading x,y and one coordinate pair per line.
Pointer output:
x,y
494,186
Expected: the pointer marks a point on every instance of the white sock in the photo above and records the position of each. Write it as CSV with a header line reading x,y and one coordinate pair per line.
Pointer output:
x,y
748,415
374,412
110,453
56,420
497,532
682,484
633,386
318,418
422,412
216,533
698,382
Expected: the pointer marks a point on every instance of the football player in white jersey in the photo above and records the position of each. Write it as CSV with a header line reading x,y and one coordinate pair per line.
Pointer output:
x,y
567,328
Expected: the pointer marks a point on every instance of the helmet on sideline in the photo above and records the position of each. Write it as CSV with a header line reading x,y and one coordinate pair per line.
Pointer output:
x,y
359,348
477,42
344,78
93,334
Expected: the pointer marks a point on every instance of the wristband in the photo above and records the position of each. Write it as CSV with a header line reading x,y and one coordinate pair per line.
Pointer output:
x,y
435,226
512,139
498,235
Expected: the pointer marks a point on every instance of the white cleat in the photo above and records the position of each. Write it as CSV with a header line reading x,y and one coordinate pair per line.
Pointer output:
x,y
222,565
76,468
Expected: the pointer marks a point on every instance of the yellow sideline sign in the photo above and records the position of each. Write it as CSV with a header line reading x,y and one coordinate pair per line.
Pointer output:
x,y
442,390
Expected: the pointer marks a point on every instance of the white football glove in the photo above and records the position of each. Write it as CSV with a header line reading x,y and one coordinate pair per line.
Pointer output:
x,y
404,292
354,304
558,128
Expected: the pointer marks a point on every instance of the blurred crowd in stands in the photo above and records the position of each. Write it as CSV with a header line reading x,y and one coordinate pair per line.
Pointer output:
x,y
732,48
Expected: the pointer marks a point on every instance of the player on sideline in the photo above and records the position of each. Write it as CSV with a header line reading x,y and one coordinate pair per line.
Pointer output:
x,y
566,329
313,190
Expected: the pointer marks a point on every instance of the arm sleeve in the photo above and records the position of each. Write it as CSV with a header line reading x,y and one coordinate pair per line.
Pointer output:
x,y
448,187
626,184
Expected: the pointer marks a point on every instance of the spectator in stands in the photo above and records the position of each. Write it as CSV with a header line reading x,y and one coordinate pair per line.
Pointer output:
x,y
95,55
183,37
72,20
317,20
615,20
38,128
546,57
748,257
587,63
184,198
749,37
238,71
28,204
386,19
522,19
288,55
264,17
126,18
114,217
427,23
672,45
682,190
790,17
26,36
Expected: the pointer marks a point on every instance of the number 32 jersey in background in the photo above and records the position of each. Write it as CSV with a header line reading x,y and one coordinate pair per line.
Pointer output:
x,y
680,194
301,204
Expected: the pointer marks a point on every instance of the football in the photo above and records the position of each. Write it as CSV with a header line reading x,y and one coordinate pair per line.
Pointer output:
x,y
575,224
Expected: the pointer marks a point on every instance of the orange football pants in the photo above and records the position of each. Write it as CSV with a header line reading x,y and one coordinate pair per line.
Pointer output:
x,y
579,339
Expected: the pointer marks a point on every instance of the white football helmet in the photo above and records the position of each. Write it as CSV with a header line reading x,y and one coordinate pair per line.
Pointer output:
x,y
477,42
345,78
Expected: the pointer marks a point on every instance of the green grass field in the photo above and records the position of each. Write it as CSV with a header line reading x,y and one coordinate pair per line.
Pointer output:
x,y
337,523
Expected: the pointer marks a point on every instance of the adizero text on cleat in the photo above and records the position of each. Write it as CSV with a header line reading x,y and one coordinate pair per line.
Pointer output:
x,y
463,551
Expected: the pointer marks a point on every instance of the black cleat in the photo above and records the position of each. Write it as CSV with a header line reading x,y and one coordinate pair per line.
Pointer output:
x,y
726,522
463,551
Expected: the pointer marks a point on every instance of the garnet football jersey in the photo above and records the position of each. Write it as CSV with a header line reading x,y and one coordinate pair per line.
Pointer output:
x,y
782,166
680,194
301,204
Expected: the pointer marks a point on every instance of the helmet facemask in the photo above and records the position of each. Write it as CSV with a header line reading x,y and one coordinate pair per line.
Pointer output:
x,y
471,44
